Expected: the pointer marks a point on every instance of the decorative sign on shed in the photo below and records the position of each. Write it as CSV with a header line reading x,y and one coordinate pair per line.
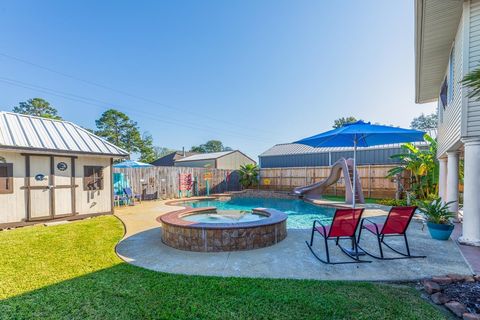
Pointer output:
x,y
207,176
62,166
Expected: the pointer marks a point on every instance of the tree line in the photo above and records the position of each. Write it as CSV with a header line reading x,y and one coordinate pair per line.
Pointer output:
x,y
422,122
117,128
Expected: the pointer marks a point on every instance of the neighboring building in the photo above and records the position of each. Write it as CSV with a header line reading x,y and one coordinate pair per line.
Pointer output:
x,y
51,169
447,47
231,160
298,155
169,159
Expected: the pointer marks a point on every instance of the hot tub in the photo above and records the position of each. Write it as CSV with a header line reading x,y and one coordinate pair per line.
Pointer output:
x,y
209,230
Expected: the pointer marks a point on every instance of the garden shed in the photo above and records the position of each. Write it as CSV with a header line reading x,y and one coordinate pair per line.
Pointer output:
x,y
231,160
52,170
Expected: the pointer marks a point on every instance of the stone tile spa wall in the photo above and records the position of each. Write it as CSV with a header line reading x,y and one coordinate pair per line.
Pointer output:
x,y
202,237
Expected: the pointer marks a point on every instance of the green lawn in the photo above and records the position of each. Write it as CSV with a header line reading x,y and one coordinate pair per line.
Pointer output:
x,y
342,198
71,271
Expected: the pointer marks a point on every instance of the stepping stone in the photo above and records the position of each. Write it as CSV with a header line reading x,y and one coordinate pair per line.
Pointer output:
x,y
431,287
456,307
471,316
442,280
439,298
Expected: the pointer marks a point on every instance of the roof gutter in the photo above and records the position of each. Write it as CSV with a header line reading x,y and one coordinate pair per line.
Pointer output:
x,y
419,5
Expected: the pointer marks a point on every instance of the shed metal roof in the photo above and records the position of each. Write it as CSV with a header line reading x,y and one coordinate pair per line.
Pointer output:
x,y
206,156
283,149
24,132
168,160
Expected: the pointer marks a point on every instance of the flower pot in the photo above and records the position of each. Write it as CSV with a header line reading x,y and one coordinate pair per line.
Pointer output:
x,y
440,231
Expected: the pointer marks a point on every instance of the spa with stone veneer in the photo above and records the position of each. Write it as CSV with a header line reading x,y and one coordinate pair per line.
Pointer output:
x,y
209,230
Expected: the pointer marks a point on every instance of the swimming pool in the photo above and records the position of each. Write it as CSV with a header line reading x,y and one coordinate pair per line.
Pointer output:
x,y
300,213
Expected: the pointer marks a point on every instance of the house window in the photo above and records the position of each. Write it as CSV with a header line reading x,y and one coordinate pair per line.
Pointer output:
x,y
6,178
451,75
92,178
443,94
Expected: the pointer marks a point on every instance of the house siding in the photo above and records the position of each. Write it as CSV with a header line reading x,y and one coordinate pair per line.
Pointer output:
x,y
473,110
450,119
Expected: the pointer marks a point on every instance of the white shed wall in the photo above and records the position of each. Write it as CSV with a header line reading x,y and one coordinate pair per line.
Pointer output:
x,y
13,205
98,201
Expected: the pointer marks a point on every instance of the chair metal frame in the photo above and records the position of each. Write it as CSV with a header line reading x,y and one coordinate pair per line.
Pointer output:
x,y
326,236
381,238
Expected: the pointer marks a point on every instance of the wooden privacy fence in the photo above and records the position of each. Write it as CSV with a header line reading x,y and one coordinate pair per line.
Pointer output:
x,y
372,177
164,182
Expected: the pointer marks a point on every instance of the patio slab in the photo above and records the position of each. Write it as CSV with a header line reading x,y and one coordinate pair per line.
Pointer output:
x,y
290,258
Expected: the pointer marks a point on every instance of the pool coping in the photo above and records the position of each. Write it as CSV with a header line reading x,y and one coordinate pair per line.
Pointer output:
x,y
175,219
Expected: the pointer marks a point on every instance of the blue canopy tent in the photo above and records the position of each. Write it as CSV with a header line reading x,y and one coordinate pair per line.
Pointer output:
x,y
131,164
362,134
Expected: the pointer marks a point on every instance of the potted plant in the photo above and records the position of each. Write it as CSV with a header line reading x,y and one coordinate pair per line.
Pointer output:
x,y
438,217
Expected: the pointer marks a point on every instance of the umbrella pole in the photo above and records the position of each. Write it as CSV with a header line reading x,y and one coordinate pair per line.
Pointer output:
x,y
352,251
354,171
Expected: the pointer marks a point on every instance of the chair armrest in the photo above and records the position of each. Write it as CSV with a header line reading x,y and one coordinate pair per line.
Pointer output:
x,y
372,222
321,224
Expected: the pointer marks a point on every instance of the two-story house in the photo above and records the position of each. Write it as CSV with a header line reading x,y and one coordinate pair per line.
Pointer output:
x,y
447,47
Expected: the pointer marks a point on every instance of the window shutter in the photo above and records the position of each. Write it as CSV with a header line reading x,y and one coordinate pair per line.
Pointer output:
x,y
100,178
6,178
93,178
88,178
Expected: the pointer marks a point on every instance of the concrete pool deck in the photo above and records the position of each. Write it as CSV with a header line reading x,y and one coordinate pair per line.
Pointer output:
x,y
290,258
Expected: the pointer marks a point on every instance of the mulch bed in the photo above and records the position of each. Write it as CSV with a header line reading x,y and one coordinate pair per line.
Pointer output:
x,y
467,293
458,293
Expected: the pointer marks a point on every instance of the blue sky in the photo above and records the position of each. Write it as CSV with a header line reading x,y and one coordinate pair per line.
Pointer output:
x,y
249,73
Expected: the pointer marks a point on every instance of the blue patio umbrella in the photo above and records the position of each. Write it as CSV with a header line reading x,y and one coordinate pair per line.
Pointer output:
x,y
131,164
362,134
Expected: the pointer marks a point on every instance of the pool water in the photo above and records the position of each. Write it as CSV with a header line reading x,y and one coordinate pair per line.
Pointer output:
x,y
300,214
225,216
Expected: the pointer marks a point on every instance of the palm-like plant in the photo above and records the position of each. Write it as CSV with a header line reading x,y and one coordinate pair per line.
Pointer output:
x,y
422,165
249,175
436,211
472,81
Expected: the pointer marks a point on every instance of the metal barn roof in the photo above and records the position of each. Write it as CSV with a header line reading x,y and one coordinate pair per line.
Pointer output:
x,y
295,149
24,132
206,156
168,160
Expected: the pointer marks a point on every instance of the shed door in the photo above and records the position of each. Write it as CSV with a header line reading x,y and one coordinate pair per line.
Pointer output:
x,y
39,185
63,186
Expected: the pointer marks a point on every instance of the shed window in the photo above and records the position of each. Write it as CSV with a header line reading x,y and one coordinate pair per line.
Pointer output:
x,y
6,178
93,178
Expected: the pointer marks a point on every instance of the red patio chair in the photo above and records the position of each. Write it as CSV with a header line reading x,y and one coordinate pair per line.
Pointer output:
x,y
343,226
395,225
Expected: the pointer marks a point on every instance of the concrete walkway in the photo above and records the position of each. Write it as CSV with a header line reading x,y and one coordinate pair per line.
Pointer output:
x,y
290,258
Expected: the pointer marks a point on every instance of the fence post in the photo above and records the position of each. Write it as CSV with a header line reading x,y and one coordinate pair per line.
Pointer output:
x,y
370,179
